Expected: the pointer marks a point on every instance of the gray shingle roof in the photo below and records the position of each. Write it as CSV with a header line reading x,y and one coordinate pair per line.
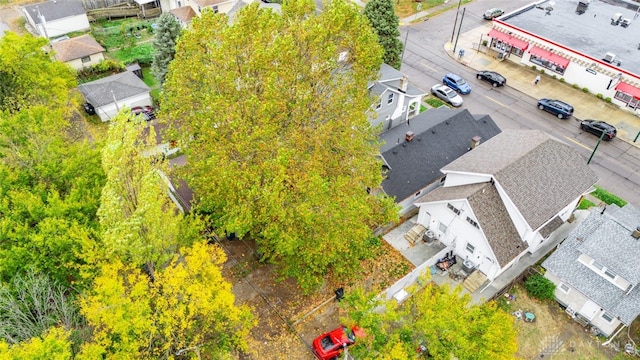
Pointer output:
x,y
440,136
606,237
76,48
491,215
54,10
540,174
123,85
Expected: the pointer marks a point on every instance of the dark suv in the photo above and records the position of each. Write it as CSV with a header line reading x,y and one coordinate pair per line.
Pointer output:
x,y
558,108
598,127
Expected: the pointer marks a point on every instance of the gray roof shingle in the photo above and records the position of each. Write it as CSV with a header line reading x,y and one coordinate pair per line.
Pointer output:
x,y
123,85
491,215
440,136
540,174
54,10
606,237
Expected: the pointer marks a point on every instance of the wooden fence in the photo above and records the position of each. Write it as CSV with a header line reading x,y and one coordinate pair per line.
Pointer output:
x,y
123,12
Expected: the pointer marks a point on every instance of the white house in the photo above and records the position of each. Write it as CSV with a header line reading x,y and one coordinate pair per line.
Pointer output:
x,y
108,95
596,269
397,100
79,52
504,198
56,17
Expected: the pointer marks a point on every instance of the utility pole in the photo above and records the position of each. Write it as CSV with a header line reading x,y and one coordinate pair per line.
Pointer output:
x,y
404,47
595,148
459,28
455,22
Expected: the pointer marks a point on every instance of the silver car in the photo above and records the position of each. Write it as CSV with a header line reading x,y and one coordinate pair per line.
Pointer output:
x,y
445,93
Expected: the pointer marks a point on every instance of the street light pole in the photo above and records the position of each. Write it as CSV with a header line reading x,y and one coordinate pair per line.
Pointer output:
x,y
459,28
595,148
455,22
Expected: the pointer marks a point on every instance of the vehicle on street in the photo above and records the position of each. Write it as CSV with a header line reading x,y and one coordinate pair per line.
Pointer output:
x,y
147,112
457,83
491,77
492,13
597,127
329,345
557,107
445,93
89,109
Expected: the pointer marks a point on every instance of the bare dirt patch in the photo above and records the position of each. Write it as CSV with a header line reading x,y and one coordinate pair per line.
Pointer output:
x,y
554,334
288,321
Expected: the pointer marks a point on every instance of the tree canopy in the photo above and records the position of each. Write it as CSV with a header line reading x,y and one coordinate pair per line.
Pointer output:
x,y
385,22
166,35
188,307
438,318
271,112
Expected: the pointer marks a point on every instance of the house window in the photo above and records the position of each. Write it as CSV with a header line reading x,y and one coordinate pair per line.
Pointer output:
x,y
607,317
179,3
610,274
564,288
453,208
470,248
86,59
475,224
390,98
597,265
379,104
215,9
442,228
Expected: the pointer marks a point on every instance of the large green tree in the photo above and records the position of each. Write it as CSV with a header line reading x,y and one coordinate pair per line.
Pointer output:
x,y
385,22
271,112
166,36
438,318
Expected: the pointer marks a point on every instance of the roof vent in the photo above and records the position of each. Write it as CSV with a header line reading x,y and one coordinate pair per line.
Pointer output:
x,y
408,136
636,233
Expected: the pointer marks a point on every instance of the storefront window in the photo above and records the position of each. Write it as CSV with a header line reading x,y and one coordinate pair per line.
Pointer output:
x,y
546,64
625,98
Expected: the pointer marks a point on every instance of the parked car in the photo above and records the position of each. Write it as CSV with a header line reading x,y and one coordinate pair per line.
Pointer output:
x,y
492,13
147,112
598,127
89,109
558,108
329,345
446,94
491,77
457,83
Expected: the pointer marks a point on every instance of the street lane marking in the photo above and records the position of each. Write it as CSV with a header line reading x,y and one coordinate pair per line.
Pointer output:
x,y
427,66
496,101
578,143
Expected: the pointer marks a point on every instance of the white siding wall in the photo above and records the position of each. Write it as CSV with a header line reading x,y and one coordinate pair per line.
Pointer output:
x,y
108,111
65,25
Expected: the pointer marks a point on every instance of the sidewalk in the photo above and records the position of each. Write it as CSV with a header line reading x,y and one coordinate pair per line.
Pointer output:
x,y
520,77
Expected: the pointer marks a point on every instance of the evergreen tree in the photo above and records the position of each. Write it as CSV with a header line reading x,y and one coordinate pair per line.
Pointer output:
x,y
165,43
385,23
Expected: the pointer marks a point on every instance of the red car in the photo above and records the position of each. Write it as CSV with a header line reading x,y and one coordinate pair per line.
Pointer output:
x,y
329,346
147,112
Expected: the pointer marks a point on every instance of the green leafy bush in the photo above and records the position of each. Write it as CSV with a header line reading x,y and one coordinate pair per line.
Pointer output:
x,y
540,287
103,68
534,67
607,99
562,80
600,96
436,103
585,90
576,86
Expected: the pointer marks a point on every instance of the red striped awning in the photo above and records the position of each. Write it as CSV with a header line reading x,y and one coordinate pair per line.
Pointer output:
x,y
628,89
549,56
516,43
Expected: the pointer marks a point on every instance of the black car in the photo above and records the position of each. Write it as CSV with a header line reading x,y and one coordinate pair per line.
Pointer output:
x,y
597,127
492,77
558,108
89,109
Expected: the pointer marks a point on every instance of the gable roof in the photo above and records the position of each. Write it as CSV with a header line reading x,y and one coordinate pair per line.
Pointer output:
x,y
606,237
54,10
491,215
185,13
76,48
440,136
540,174
123,85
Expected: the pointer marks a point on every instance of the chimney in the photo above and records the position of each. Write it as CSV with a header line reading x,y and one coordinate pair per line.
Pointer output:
x,y
409,136
636,233
404,82
475,141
